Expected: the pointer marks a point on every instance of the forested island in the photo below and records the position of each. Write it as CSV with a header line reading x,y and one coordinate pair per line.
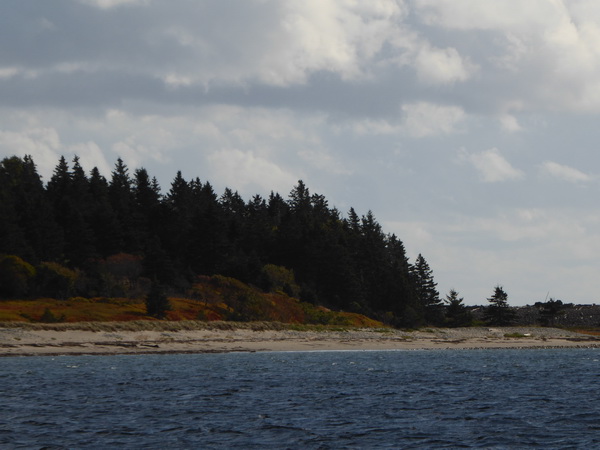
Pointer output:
x,y
190,253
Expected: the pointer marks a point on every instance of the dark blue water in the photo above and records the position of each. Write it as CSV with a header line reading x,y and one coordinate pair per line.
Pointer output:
x,y
402,399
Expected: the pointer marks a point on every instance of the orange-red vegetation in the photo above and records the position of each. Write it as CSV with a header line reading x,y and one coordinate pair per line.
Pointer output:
x,y
209,299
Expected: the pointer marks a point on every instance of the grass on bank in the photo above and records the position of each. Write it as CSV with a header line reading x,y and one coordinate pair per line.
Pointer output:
x,y
182,325
516,335
211,299
591,331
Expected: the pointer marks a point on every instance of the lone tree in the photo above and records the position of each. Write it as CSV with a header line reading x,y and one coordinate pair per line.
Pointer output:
x,y
427,294
157,303
499,312
457,314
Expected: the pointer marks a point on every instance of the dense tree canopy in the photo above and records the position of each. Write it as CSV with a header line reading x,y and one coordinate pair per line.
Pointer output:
x,y
93,236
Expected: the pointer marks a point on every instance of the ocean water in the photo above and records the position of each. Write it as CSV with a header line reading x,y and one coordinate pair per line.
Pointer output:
x,y
306,400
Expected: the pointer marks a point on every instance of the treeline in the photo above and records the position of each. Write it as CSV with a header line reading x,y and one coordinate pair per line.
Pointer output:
x,y
81,234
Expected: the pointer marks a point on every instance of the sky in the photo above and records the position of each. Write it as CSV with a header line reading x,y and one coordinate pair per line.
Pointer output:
x,y
470,128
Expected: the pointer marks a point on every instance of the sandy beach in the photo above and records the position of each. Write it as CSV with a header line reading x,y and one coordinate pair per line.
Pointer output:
x,y
112,338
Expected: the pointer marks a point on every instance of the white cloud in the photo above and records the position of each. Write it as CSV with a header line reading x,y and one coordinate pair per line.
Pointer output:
x,y
415,234
324,161
8,72
442,66
565,173
285,45
542,52
545,50
510,123
254,94
515,49
418,120
355,41
329,35
426,119
288,141
549,231
526,225
492,166
500,14
42,144
90,155
241,169
373,127
472,254
135,153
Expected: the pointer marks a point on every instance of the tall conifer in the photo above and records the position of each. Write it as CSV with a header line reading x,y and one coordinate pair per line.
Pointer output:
x,y
427,294
498,312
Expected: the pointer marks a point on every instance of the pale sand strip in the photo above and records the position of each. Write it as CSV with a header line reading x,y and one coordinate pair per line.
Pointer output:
x,y
24,341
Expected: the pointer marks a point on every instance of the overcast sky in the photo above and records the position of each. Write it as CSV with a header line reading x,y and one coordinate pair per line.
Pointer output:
x,y
469,127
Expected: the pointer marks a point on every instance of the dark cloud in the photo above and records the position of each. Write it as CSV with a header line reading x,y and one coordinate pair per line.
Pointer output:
x,y
322,90
74,54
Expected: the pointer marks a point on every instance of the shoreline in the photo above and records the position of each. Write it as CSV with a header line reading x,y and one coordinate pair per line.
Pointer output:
x,y
113,339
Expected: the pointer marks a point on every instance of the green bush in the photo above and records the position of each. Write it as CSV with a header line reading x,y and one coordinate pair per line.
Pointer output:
x,y
316,316
249,306
157,303
49,317
279,279
227,282
55,281
514,335
16,276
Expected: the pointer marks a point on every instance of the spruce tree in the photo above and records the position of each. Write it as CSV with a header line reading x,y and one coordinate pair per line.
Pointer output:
x,y
69,193
60,183
121,196
12,237
176,229
205,250
146,206
299,199
346,264
402,295
498,312
80,186
179,197
157,303
34,213
457,314
277,208
353,221
427,294
106,228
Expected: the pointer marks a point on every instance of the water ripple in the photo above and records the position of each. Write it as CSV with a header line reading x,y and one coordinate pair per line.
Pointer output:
x,y
445,399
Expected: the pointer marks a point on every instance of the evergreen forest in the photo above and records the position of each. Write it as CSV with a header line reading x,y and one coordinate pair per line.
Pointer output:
x,y
82,235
